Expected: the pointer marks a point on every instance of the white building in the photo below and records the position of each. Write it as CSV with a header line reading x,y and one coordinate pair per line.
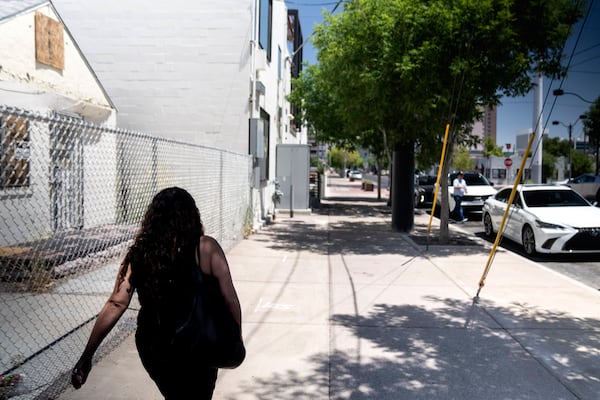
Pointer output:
x,y
43,70
209,73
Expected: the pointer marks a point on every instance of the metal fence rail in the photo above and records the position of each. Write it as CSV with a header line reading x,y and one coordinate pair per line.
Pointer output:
x,y
72,195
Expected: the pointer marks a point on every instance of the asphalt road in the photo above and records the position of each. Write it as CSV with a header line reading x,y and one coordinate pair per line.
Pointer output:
x,y
584,268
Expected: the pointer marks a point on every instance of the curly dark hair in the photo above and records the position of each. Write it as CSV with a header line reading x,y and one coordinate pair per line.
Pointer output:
x,y
164,248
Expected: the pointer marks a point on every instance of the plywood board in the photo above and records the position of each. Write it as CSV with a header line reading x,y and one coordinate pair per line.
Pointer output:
x,y
49,42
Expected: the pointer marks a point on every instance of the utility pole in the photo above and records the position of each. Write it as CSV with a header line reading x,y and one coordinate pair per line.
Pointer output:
x,y
570,128
536,165
570,147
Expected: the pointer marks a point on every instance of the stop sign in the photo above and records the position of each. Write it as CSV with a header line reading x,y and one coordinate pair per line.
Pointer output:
x,y
508,163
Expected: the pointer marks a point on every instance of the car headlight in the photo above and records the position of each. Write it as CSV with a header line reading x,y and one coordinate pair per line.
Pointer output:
x,y
547,225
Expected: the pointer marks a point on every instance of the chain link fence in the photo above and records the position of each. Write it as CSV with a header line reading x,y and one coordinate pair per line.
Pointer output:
x,y
71,197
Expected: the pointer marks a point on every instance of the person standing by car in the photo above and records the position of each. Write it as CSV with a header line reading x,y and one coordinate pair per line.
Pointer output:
x,y
460,188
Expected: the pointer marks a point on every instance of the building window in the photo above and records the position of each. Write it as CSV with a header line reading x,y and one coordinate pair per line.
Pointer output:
x,y
264,27
263,163
14,152
498,173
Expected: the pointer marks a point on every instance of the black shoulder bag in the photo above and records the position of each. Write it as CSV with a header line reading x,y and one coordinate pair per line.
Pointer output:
x,y
210,332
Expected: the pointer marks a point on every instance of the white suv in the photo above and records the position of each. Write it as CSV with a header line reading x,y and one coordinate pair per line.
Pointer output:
x,y
478,190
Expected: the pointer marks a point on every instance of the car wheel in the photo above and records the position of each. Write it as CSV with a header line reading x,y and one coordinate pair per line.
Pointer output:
x,y
487,225
598,197
528,239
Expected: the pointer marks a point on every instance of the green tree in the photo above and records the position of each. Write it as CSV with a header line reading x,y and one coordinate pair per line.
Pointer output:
x,y
343,158
591,127
552,149
490,149
582,163
388,71
319,108
555,148
548,166
462,160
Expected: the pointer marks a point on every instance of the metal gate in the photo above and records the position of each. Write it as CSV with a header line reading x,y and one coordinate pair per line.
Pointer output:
x,y
66,183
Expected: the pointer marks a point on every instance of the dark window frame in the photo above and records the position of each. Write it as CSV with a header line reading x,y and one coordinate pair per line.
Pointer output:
x,y
265,26
14,132
263,163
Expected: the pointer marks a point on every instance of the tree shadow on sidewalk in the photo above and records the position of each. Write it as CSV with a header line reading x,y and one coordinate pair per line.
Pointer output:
x,y
367,231
353,207
410,352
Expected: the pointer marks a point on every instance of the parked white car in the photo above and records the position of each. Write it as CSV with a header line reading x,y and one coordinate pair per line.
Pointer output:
x,y
355,175
478,190
545,219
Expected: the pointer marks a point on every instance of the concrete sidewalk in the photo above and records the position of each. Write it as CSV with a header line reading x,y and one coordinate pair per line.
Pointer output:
x,y
338,306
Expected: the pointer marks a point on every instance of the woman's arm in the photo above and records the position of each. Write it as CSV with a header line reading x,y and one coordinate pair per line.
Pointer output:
x,y
215,263
113,309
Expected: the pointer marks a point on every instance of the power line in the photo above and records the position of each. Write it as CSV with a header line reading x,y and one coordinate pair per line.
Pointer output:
x,y
314,4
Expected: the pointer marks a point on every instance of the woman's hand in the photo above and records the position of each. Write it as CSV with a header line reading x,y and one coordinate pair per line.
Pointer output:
x,y
81,371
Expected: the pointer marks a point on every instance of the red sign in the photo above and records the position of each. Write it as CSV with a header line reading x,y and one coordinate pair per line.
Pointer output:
x,y
508,163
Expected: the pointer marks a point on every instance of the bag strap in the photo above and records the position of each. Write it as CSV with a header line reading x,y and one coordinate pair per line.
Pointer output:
x,y
199,274
198,277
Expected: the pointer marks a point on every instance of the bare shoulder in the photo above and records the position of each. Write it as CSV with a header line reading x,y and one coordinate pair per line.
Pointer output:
x,y
212,255
209,244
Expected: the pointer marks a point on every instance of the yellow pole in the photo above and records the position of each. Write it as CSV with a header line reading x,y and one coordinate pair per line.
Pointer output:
x,y
504,218
437,182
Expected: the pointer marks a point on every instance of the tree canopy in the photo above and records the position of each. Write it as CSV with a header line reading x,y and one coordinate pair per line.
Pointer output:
x,y
591,127
554,148
397,71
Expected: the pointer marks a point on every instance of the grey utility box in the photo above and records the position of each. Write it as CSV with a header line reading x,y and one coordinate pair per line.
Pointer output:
x,y
292,169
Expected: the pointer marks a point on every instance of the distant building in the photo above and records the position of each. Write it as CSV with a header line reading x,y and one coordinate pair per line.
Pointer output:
x,y
486,127
522,140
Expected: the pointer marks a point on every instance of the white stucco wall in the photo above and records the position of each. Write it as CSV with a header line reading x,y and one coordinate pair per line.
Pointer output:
x,y
99,178
179,69
184,70
32,85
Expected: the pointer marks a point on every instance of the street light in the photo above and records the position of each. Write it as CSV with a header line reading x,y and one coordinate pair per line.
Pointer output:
x,y
560,92
570,126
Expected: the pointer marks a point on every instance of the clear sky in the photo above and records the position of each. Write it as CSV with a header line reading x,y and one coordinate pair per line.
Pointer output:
x,y
515,115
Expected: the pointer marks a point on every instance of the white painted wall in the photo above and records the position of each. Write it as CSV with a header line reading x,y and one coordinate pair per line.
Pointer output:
x,y
179,69
100,177
184,70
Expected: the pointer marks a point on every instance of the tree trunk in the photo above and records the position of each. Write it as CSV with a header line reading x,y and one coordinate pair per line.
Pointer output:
x,y
597,158
403,191
378,166
386,148
444,210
